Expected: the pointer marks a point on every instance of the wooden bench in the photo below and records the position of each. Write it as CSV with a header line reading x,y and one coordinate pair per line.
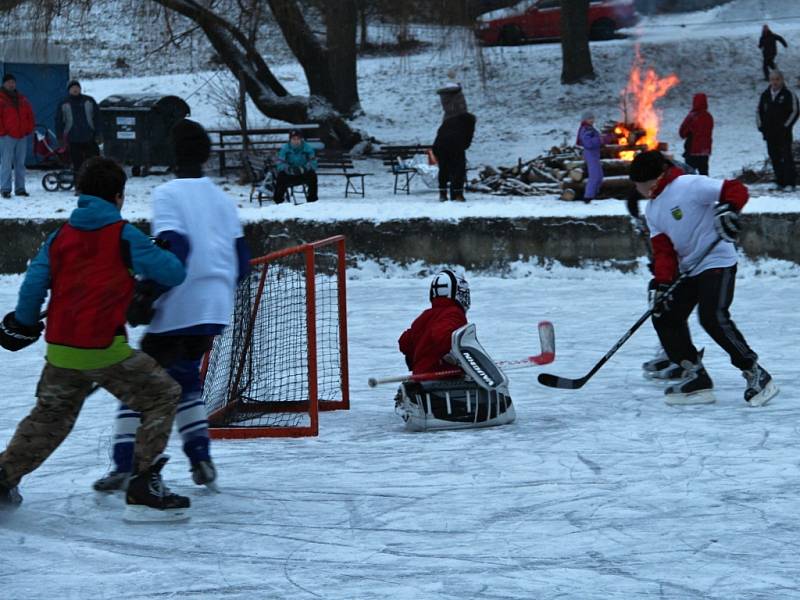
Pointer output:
x,y
229,145
334,163
392,157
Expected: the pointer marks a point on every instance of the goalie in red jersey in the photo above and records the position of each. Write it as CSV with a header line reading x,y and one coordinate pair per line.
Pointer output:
x,y
454,383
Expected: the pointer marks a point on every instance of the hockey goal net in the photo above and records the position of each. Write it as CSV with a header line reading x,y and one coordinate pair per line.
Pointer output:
x,y
283,357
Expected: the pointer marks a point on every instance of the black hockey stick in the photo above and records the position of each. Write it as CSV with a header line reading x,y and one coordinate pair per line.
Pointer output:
x,y
566,383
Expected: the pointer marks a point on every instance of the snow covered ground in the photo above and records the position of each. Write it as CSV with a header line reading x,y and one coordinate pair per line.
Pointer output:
x,y
603,492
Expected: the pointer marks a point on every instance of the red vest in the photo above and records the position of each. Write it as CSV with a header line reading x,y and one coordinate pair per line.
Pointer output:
x,y
91,287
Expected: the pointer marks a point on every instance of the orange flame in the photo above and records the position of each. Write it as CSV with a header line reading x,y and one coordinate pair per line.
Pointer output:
x,y
639,98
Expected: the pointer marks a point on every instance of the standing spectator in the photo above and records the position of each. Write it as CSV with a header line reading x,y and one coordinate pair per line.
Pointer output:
x,y
777,113
77,120
591,141
297,165
697,129
16,124
769,49
452,140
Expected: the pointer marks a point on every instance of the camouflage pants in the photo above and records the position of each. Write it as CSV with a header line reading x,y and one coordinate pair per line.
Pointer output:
x,y
138,381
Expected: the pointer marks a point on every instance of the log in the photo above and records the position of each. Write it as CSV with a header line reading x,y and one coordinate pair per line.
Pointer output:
x,y
576,174
613,187
568,194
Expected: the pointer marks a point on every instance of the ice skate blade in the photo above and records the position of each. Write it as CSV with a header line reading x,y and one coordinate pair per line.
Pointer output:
x,y
144,514
764,396
701,397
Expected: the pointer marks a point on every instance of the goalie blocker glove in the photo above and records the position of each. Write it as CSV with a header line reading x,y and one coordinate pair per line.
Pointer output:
x,y
16,336
660,300
726,222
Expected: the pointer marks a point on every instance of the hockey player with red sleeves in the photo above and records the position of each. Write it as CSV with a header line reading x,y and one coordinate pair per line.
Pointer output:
x,y
427,342
686,215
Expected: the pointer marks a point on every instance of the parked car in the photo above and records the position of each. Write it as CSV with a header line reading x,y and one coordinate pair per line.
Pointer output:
x,y
541,20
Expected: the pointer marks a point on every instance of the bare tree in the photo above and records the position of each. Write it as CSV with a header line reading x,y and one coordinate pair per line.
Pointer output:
x,y
576,56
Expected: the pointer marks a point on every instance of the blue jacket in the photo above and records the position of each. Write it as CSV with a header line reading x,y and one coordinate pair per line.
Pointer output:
x,y
302,157
141,255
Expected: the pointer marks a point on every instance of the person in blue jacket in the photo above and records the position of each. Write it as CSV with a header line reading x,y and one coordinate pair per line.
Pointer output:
x,y
297,164
591,141
88,266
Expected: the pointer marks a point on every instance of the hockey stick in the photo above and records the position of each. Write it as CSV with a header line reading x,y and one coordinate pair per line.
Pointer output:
x,y
566,383
548,355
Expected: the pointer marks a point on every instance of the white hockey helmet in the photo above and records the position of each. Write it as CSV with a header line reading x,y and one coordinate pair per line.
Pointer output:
x,y
446,284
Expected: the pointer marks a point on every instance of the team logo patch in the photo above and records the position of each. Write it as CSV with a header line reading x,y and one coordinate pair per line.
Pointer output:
x,y
677,213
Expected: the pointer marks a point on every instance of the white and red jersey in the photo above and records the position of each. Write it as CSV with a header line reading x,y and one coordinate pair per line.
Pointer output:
x,y
681,220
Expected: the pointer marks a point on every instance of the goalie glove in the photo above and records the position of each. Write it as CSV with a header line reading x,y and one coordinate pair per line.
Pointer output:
x,y
726,222
660,300
16,336
140,310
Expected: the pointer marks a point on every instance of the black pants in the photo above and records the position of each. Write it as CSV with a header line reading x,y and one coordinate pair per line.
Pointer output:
x,y
698,162
779,148
712,293
452,170
166,350
79,152
768,65
285,180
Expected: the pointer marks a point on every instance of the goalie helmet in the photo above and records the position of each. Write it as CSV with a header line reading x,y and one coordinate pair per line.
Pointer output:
x,y
446,284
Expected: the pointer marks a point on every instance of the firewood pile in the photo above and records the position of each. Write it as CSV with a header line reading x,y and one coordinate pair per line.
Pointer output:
x,y
561,172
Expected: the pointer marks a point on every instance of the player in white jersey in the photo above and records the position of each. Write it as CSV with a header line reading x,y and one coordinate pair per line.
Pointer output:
x,y
686,215
199,223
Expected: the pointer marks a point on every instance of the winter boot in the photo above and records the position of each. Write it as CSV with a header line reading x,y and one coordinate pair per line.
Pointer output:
x,y
458,197
443,196
696,386
760,387
149,500
10,498
116,481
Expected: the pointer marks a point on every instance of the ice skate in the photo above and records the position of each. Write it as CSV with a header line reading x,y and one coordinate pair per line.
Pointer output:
x,y
10,498
204,473
760,387
695,388
115,481
149,500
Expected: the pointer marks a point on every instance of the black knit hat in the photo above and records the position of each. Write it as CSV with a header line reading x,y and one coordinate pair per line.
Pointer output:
x,y
9,77
647,166
190,142
296,133
72,83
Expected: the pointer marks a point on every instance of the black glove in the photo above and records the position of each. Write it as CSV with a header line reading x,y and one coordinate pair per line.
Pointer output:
x,y
660,300
140,310
295,171
16,336
726,222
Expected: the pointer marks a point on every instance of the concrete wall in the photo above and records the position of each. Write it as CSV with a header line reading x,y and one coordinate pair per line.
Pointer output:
x,y
477,244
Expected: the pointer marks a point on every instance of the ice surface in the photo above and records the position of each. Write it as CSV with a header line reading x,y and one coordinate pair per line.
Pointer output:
x,y
600,493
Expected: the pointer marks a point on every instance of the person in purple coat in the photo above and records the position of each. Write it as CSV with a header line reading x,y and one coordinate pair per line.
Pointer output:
x,y
591,141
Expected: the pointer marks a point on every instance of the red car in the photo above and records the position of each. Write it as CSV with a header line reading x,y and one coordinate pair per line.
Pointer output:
x,y
541,20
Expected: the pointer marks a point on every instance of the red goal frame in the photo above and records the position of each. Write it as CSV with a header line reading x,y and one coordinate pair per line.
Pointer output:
x,y
313,405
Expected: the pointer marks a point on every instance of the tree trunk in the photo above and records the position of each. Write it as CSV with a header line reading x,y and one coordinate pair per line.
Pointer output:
x,y
242,58
330,70
576,56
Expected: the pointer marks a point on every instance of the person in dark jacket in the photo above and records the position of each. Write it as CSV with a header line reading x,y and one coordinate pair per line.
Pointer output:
x,y
77,121
452,140
297,164
769,49
778,110
16,124
697,129
428,341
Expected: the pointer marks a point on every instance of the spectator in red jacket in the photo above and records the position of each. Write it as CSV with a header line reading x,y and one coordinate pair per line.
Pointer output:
x,y
697,129
427,342
16,124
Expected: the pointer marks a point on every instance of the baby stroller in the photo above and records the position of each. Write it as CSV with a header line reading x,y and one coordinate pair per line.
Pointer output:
x,y
53,156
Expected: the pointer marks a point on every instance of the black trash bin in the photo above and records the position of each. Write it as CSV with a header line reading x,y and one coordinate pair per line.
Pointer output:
x,y
136,129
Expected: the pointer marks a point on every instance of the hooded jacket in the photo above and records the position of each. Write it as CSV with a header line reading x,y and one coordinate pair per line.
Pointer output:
x,y
697,128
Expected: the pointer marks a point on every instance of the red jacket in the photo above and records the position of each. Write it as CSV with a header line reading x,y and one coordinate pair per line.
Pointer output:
x,y
16,115
697,128
427,341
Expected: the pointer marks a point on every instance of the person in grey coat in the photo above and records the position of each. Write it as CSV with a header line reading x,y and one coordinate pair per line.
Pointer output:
x,y
78,124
